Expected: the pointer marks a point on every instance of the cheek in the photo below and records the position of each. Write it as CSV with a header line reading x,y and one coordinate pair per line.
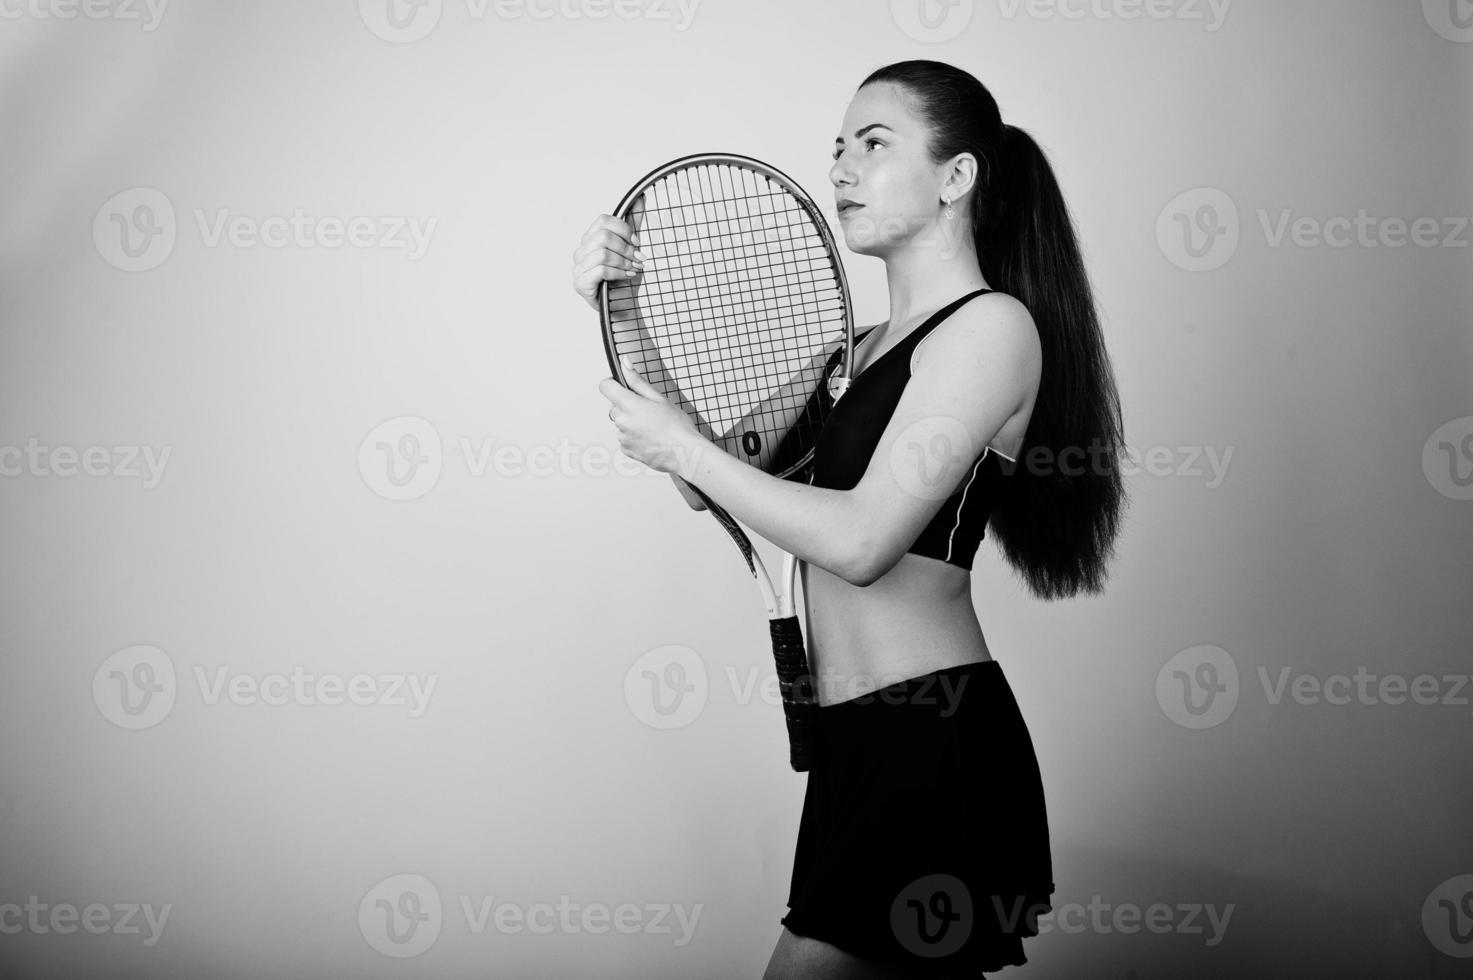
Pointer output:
x,y
898,191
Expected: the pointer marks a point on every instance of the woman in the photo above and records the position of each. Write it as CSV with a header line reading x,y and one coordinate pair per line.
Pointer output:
x,y
923,843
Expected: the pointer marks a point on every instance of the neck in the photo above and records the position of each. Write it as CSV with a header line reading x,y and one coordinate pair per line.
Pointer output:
x,y
925,275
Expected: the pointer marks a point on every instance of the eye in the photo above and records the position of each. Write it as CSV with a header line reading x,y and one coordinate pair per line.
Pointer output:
x,y
869,142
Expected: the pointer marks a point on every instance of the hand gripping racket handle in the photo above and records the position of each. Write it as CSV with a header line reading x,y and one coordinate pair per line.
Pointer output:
x,y
796,684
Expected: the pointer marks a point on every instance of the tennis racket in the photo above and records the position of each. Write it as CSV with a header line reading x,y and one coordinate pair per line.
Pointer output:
x,y
741,317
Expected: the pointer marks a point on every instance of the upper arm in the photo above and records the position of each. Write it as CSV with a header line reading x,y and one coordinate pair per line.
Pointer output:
x,y
970,376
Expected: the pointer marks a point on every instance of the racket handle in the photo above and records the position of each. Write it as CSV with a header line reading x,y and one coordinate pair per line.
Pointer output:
x,y
795,681
689,494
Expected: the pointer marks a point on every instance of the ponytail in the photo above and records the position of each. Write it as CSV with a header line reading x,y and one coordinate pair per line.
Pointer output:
x,y
1058,513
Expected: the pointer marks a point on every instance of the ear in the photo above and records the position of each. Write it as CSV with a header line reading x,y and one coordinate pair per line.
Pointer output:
x,y
960,173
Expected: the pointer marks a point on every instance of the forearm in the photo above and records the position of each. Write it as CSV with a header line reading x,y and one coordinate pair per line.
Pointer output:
x,y
817,525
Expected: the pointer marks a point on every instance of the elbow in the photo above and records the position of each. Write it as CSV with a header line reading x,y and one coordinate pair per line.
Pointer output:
x,y
870,557
867,564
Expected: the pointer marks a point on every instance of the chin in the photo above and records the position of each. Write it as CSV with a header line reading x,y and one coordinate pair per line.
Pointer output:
x,y
865,241
865,234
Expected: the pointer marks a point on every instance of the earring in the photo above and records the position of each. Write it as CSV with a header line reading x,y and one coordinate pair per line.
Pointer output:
x,y
950,214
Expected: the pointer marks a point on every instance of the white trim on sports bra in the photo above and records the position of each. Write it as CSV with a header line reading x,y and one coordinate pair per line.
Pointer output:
x,y
961,504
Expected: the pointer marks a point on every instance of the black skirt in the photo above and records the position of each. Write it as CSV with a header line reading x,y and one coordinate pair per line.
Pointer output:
x,y
924,835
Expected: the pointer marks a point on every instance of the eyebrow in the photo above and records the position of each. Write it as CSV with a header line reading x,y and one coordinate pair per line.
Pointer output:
x,y
860,133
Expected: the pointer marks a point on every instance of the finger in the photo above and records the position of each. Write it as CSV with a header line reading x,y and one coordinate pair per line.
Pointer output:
x,y
620,396
636,381
610,231
623,228
606,222
587,283
594,249
617,264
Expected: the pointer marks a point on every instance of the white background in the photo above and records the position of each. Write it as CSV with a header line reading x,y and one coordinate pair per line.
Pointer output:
x,y
270,543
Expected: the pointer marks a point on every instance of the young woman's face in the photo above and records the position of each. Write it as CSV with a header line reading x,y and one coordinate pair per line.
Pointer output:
x,y
882,164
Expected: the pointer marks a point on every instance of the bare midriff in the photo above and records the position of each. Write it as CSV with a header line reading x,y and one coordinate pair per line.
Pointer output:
x,y
916,618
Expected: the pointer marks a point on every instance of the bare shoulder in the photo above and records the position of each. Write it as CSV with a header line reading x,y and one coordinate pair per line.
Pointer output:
x,y
993,328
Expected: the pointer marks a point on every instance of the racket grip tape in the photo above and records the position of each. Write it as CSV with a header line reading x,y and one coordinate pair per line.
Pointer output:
x,y
795,681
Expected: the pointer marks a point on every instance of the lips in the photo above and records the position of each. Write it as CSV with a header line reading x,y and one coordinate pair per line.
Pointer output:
x,y
846,206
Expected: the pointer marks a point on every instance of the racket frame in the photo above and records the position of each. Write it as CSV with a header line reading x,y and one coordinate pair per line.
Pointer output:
x,y
838,382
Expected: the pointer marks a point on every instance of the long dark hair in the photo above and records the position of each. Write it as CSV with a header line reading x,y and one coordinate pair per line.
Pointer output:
x,y
1056,516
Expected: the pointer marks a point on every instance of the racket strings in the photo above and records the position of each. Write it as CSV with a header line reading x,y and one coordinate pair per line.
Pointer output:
x,y
738,306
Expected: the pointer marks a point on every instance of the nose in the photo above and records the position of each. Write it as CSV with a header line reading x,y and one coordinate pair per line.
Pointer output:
x,y
840,174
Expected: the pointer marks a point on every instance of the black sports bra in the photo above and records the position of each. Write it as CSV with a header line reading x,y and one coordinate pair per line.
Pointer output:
x,y
852,431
